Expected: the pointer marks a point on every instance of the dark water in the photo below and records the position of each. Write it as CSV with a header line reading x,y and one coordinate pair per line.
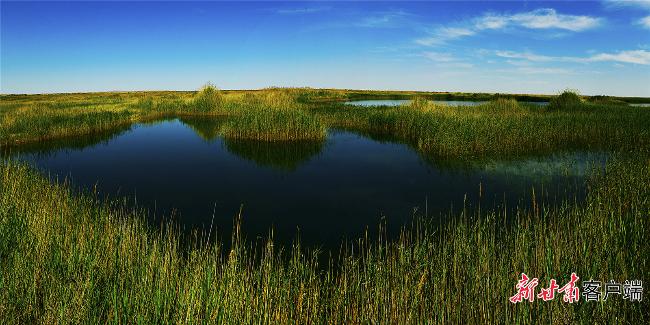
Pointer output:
x,y
397,102
329,190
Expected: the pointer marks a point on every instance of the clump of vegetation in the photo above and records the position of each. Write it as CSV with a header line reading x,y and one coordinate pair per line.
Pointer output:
x,y
77,258
208,99
607,100
269,124
498,128
418,103
505,104
568,99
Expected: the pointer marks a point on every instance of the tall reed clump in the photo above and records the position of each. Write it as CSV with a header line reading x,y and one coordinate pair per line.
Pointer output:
x,y
208,99
77,258
568,99
269,124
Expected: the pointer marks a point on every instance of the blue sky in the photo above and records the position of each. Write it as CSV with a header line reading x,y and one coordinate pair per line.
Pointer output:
x,y
522,47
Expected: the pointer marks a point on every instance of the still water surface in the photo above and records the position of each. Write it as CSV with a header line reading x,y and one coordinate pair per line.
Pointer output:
x,y
328,190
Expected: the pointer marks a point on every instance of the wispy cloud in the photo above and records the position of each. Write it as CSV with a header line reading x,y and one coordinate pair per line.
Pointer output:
x,y
394,18
542,70
439,57
536,19
641,57
635,57
446,60
524,56
301,11
643,4
378,19
445,34
550,19
645,22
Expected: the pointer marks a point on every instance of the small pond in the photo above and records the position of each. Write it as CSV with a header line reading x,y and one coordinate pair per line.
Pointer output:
x,y
328,190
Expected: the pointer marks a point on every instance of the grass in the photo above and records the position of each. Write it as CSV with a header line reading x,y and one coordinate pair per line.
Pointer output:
x,y
500,128
568,99
77,259
267,124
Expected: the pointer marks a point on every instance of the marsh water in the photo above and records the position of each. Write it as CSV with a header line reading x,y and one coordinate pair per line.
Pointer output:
x,y
328,190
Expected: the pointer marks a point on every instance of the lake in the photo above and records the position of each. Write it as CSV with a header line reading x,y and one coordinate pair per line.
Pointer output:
x,y
327,190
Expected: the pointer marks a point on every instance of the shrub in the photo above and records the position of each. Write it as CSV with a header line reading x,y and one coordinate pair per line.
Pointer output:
x,y
566,100
209,98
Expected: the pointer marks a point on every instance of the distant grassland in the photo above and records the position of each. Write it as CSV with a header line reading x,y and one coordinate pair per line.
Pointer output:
x,y
501,127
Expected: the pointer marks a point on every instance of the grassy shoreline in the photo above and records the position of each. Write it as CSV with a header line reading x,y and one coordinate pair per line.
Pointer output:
x,y
502,127
73,258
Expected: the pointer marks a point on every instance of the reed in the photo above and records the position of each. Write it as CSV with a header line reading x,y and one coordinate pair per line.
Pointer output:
x,y
75,258
269,124
499,128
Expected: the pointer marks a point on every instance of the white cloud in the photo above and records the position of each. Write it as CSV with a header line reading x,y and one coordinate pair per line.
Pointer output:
x,y
523,56
490,21
644,4
536,19
635,57
446,60
641,57
549,18
538,70
300,11
444,34
438,57
385,19
645,22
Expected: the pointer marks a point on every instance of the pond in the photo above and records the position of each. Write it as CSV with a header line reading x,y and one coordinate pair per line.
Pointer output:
x,y
397,102
327,190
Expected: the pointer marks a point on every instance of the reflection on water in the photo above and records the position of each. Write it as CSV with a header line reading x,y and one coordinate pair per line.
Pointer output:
x,y
327,190
208,128
70,143
283,155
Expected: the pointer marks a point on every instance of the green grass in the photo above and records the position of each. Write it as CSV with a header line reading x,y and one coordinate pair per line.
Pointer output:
x,y
568,99
267,124
77,259
501,128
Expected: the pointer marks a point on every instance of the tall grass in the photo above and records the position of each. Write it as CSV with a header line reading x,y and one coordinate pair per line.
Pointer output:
x,y
499,128
77,259
268,124
208,98
568,99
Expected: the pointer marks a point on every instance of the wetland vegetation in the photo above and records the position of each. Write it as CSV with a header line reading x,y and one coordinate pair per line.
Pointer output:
x,y
76,256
